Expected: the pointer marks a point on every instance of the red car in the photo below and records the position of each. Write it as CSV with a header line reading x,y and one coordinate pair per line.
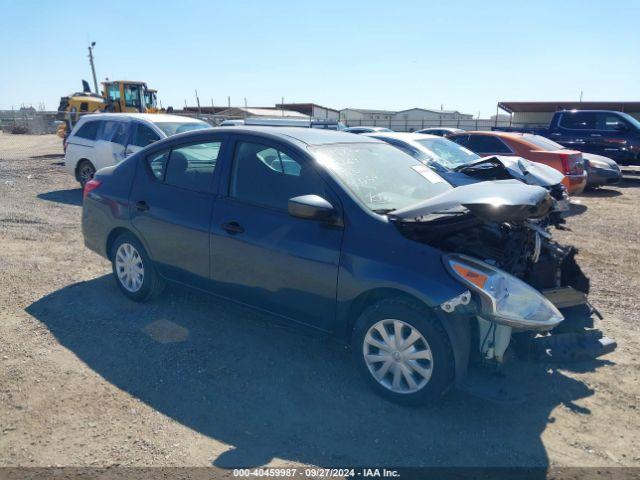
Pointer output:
x,y
529,146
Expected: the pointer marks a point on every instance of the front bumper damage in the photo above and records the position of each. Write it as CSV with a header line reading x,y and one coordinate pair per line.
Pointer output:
x,y
575,339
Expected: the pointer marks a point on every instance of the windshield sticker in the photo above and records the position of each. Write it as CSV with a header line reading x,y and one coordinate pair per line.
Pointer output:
x,y
427,173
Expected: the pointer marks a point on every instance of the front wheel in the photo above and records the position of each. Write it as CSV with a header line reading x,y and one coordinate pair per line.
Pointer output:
x,y
403,352
133,270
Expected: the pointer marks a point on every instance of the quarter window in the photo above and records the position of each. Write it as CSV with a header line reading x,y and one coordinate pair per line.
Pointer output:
x,y
158,163
192,166
88,130
266,176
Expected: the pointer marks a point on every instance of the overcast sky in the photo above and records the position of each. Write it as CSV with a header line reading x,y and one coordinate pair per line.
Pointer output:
x,y
389,54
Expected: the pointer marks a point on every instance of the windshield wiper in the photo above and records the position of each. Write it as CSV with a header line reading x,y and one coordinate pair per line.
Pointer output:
x,y
383,211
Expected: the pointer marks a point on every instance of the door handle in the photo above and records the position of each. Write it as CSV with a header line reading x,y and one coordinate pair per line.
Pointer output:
x,y
142,206
596,135
232,227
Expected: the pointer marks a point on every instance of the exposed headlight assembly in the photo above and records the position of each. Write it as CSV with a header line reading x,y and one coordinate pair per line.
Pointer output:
x,y
505,299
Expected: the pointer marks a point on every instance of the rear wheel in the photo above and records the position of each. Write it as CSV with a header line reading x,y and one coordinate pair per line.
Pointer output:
x,y
133,270
86,171
403,352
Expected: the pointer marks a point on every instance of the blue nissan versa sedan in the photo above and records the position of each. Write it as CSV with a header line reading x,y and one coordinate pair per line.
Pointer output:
x,y
351,236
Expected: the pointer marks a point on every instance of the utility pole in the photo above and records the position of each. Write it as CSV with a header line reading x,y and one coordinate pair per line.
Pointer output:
x,y
93,67
581,95
198,102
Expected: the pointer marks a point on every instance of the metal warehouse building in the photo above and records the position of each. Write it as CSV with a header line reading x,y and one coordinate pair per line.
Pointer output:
x,y
540,113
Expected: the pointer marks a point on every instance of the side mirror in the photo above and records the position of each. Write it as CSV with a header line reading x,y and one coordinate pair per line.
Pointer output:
x,y
311,207
621,127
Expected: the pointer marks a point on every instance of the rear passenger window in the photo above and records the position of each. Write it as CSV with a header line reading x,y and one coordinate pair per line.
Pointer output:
x,y
266,176
578,121
121,135
115,131
192,166
158,163
486,144
460,140
88,130
144,136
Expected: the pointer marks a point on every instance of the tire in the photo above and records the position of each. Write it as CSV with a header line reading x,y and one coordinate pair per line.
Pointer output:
x,y
431,354
86,171
133,270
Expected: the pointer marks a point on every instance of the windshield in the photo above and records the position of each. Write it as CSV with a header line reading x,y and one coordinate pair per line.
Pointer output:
x,y
132,95
632,120
542,143
379,175
173,128
448,153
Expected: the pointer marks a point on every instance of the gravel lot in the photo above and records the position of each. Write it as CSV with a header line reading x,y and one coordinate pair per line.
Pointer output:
x,y
90,378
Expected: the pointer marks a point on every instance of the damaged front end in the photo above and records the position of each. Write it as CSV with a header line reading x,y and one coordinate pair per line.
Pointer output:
x,y
529,294
498,167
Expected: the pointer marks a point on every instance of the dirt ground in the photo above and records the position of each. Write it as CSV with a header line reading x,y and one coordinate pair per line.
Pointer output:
x,y
88,378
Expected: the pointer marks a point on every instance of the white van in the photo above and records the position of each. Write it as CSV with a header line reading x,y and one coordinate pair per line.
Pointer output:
x,y
104,139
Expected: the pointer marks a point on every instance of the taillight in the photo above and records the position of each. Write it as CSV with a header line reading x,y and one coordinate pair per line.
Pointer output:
x,y
572,164
90,186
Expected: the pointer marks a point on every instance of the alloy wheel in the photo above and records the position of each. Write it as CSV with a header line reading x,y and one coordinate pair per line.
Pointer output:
x,y
86,173
398,356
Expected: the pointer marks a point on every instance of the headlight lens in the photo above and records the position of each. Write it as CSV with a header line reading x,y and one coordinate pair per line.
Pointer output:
x,y
505,298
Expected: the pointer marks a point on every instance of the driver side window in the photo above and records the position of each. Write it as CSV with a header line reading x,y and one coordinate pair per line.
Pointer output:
x,y
266,176
611,123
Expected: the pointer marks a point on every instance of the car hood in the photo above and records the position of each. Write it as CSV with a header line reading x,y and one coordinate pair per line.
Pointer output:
x,y
496,201
532,173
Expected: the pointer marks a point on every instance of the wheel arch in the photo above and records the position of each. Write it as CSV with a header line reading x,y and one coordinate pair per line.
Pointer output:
x,y
371,297
458,328
113,235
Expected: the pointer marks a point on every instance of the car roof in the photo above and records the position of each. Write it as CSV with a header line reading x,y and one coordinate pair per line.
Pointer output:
x,y
150,117
588,111
307,136
406,136
496,133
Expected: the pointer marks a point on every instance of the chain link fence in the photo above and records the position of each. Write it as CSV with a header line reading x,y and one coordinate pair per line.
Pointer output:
x,y
406,125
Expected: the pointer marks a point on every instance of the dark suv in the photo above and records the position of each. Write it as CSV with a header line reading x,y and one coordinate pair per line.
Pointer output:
x,y
346,234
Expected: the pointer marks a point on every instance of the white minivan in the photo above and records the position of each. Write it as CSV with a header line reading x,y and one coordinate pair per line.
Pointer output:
x,y
104,139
